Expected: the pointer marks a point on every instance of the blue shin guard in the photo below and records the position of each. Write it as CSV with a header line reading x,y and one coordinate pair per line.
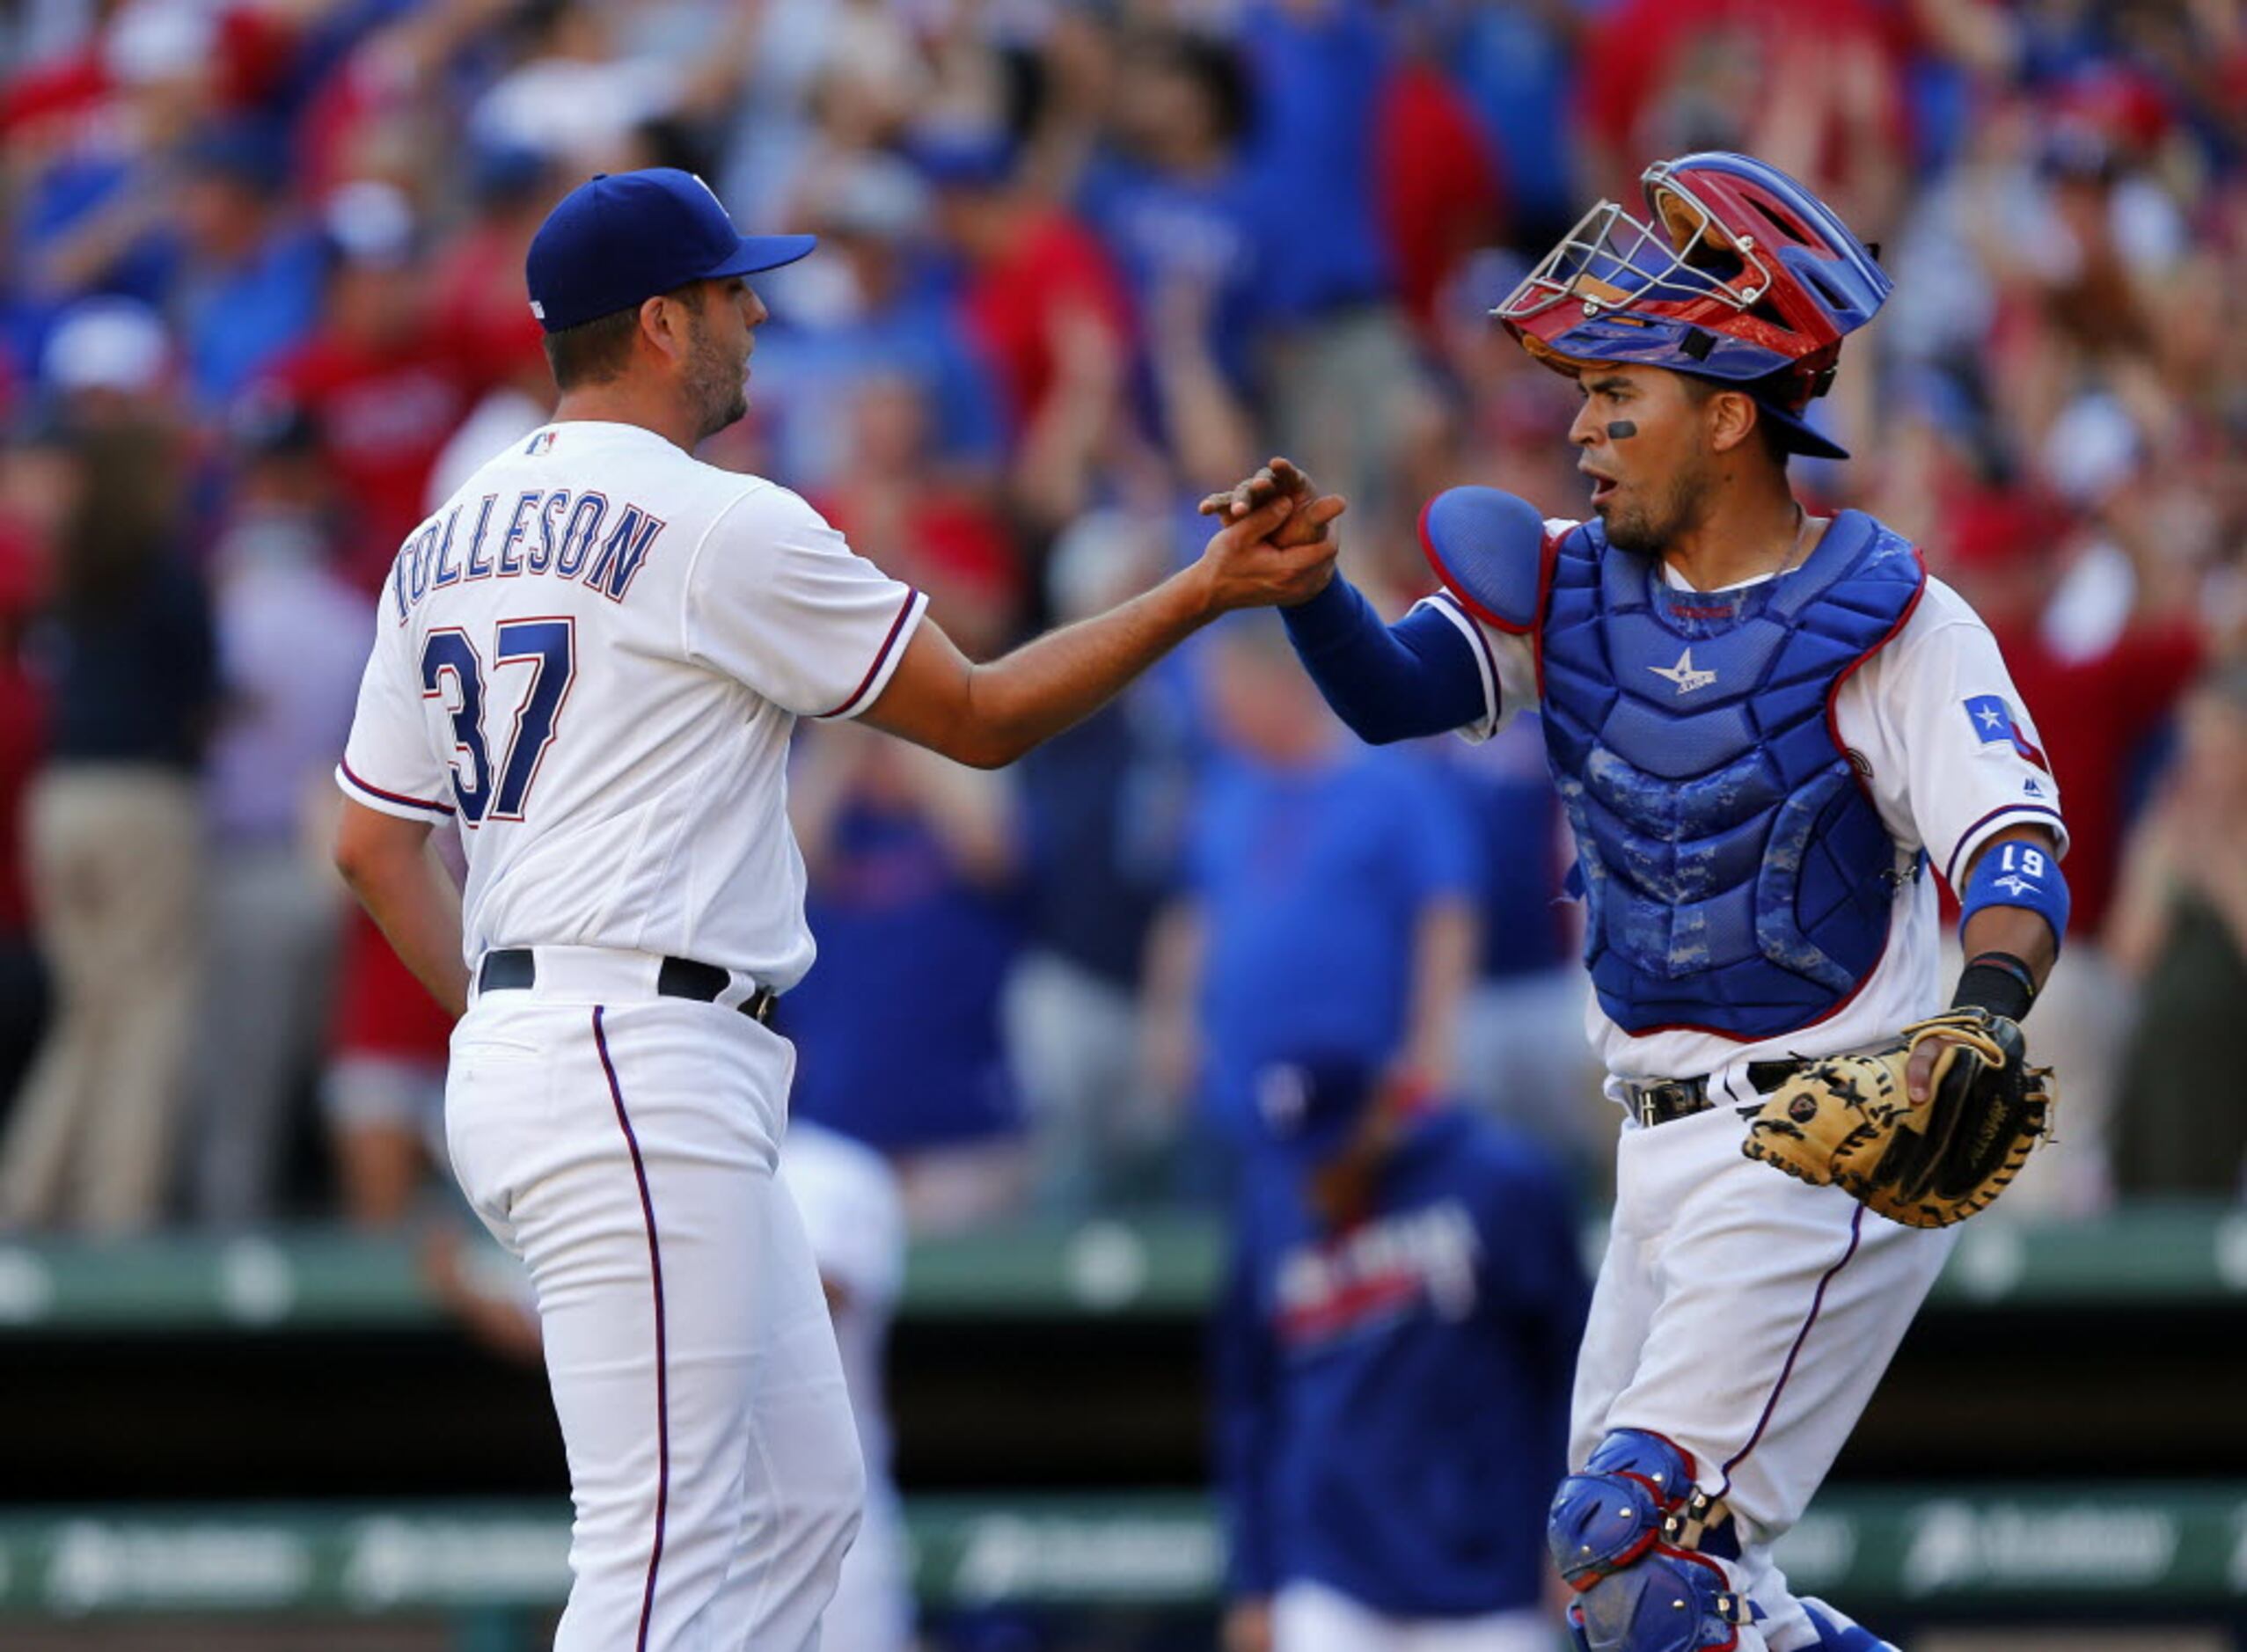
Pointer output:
x,y
1641,1545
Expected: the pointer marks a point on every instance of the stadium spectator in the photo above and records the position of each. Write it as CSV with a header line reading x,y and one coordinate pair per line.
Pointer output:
x,y
378,378
24,992
1527,982
2179,930
1172,195
289,629
113,826
1042,301
1394,1351
1103,809
1329,897
895,503
911,862
871,305
1340,362
382,1093
246,288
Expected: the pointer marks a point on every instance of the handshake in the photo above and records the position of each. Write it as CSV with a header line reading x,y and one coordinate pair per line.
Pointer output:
x,y
1273,548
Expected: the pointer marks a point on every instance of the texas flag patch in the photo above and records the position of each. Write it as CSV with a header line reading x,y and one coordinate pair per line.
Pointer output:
x,y
1993,721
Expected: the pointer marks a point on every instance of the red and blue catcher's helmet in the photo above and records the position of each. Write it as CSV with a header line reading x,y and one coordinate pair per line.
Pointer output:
x,y
1736,274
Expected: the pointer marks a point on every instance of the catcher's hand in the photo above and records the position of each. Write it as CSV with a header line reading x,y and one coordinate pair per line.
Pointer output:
x,y
1850,1121
1307,525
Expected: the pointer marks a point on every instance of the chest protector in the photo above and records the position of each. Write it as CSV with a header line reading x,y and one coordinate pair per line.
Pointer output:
x,y
1738,875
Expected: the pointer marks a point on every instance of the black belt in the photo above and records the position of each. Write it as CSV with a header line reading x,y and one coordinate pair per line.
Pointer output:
x,y
1659,1100
517,968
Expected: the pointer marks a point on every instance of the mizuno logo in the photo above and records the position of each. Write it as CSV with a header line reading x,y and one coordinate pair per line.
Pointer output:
x,y
2015,885
1683,675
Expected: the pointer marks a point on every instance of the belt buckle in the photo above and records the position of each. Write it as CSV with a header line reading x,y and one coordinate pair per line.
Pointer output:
x,y
1668,1100
1648,1098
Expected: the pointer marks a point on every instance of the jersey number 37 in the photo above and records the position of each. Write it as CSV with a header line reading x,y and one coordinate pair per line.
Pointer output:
x,y
452,672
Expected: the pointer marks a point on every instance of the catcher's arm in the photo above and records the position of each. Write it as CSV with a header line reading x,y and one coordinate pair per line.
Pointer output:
x,y
2022,935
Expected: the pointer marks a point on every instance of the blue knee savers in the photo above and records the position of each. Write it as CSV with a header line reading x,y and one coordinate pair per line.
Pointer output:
x,y
1639,1542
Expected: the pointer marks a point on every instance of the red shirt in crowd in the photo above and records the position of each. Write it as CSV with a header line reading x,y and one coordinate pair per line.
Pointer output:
x,y
2096,716
1438,183
383,416
381,1010
23,724
1641,51
1014,305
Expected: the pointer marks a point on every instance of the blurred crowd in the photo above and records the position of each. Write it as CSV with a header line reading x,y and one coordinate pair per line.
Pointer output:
x,y
261,305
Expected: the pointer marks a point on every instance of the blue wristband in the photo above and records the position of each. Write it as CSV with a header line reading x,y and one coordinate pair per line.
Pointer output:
x,y
2015,873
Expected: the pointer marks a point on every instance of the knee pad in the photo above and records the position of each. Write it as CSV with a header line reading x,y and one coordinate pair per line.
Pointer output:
x,y
1643,1546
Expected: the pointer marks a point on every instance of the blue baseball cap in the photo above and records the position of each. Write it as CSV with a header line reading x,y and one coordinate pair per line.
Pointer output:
x,y
618,239
1309,1108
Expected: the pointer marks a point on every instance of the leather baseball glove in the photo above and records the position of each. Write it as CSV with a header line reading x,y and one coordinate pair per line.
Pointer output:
x,y
1850,1121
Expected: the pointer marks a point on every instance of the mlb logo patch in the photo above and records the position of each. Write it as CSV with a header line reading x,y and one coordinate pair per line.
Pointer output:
x,y
1993,721
541,443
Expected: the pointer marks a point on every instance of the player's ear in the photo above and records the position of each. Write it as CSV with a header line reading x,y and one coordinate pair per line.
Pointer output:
x,y
1731,416
664,324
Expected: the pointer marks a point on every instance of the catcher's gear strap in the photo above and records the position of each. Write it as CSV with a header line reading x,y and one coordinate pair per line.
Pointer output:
x,y
2015,873
1635,1495
1490,550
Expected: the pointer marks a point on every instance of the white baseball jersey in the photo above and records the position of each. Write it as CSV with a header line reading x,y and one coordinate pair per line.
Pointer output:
x,y
1945,774
590,659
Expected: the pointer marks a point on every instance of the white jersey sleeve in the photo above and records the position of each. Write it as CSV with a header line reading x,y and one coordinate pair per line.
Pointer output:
x,y
388,763
777,599
1954,755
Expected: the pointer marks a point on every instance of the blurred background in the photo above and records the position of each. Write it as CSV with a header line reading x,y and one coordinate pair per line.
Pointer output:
x,y
262,1384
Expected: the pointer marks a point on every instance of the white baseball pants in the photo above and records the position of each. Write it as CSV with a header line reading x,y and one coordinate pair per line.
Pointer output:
x,y
1308,1617
622,1145
1746,1317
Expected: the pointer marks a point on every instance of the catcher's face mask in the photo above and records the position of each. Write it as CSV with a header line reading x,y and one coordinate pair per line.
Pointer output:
x,y
1735,272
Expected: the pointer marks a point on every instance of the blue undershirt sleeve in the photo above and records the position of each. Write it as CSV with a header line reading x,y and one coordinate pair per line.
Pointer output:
x,y
1387,683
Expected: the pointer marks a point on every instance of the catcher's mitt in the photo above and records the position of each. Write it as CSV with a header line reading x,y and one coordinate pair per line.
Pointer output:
x,y
1850,1121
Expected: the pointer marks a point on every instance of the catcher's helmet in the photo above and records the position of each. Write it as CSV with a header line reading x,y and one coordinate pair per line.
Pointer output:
x,y
1737,273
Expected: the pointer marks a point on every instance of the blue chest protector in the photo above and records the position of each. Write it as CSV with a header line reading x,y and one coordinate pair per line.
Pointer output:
x,y
1738,878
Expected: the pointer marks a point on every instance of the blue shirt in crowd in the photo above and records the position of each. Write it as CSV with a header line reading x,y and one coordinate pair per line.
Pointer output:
x,y
1317,81
1393,1396
1101,807
237,323
1201,233
1312,884
904,935
1516,823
